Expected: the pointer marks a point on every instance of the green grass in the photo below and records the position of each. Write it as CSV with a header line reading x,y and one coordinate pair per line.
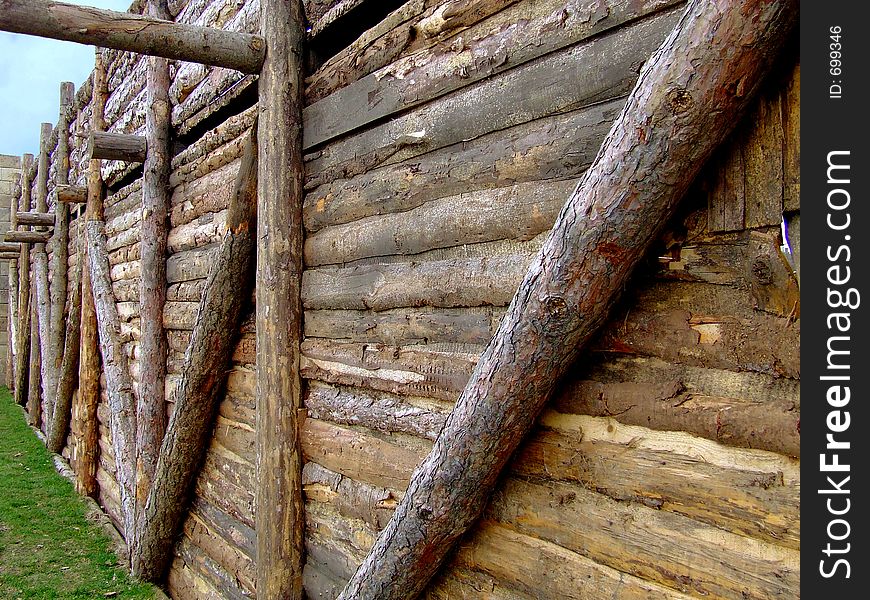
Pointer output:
x,y
48,549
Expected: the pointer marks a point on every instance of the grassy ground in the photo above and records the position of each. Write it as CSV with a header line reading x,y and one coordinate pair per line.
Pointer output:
x,y
47,547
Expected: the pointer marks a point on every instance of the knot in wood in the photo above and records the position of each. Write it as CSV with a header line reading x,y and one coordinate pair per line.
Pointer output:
x,y
762,271
680,100
556,306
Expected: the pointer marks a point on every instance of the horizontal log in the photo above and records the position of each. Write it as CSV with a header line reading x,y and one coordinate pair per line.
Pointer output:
x,y
518,212
117,146
190,264
10,247
133,33
554,147
206,194
446,283
71,194
26,237
604,69
403,326
224,583
221,551
10,255
35,218
488,48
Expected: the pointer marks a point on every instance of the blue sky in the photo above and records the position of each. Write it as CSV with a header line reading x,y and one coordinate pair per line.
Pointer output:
x,y
31,70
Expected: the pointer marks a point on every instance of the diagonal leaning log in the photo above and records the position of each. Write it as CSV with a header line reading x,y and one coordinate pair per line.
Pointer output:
x,y
687,99
206,362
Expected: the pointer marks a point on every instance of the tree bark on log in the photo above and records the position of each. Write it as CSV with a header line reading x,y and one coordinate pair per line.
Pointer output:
x,y
22,361
69,368
206,362
89,363
133,33
59,262
71,194
151,409
35,218
117,146
689,95
34,370
280,194
40,275
27,237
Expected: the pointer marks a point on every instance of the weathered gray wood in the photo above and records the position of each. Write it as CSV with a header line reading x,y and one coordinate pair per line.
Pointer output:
x,y
229,286
674,119
10,256
151,409
134,33
27,237
46,374
117,146
279,303
518,212
489,48
554,147
604,69
56,428
59,256
23,359
43,219
71,194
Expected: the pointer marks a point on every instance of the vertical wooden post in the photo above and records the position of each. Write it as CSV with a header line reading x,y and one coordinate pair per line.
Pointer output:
x,y
14,348
40,277
89,365
151,409
279,516
60,239
59,257
22,360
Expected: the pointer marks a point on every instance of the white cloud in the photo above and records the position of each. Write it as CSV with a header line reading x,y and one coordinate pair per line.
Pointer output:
x,y
31,71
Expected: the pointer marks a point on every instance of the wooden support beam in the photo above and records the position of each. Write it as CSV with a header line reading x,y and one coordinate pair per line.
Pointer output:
x,y
35,218
116,146
119,383
679,111
280,514
40,276
153,231
206,361
89,360
22,360
61,355
71,194
11,246
26,237
10,256
133,33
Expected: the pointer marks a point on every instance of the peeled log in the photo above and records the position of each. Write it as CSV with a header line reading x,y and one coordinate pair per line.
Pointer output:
x,y
117,146
206,363
687,98
36,218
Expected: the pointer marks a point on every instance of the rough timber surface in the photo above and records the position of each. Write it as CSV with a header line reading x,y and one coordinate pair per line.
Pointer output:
x,y
431,177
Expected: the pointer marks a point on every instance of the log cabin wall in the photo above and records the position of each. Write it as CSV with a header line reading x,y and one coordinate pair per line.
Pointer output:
x,y
441,144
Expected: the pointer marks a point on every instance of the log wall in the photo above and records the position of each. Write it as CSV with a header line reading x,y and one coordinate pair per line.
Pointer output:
x,y
441,145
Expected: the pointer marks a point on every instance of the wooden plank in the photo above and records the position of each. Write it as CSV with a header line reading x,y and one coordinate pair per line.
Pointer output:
x,y
791,105
763,160
135,33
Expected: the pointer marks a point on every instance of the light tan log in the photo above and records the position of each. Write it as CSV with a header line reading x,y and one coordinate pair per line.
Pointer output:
x,y
133,33
36,218
10,256
27,237
10,246
279,303
22,360
674,118
71,194
117,146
